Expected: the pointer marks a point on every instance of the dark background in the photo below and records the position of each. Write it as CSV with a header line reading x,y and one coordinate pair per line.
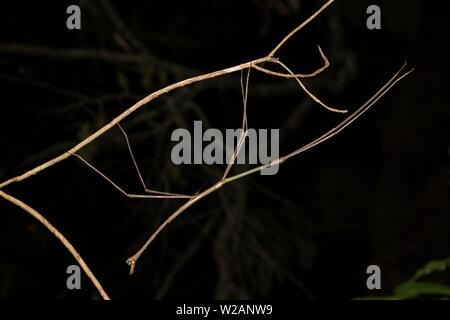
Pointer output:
x,y
376,194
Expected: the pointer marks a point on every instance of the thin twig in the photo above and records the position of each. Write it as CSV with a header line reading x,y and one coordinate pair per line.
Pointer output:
x,y
139,172
60,237
304,23
129,195
356,114
132,260
326,64
244,125
309,93
244,98
297,76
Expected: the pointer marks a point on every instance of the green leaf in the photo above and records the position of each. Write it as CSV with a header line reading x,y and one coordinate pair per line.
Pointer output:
x,y
410,290
414,289
432,266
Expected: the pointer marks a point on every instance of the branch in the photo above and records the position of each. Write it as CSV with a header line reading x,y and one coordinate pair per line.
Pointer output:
x,y
304,23
326,64
309,93
60,237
